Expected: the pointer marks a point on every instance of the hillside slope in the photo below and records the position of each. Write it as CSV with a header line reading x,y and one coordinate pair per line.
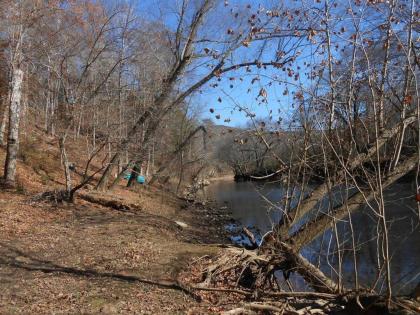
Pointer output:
x,y
86,258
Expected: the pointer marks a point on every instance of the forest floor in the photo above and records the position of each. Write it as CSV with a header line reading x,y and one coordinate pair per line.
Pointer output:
x,y
84,258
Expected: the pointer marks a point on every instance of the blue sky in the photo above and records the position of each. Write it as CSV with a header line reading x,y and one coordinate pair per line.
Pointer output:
x,y
242,92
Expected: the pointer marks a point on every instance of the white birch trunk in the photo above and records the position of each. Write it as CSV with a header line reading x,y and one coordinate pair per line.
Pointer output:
x,y
13,134
3,122
65,163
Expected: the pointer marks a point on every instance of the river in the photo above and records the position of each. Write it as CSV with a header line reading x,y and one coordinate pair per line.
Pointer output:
x,y
256,206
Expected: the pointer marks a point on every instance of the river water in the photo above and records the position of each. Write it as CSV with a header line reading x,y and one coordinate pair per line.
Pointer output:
x,y
256,206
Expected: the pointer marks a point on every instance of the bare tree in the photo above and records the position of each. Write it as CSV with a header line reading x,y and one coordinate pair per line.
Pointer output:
x,y
17,28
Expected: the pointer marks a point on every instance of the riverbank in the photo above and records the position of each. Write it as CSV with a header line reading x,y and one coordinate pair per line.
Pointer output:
x,y
252,211
146,256
229,177
87,258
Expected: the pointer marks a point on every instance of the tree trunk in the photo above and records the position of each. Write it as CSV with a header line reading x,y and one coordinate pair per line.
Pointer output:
x,y
315,227
317,194
121,148
4,119
313,275
13,134
159,106
121,174
176,152
65,164
135,172
181,171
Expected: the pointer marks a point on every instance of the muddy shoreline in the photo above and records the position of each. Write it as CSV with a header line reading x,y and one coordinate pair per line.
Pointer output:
x,y
213,219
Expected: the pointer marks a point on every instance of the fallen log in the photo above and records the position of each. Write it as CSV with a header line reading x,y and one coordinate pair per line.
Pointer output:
x,y
225,290
272,294
313,275
263,307
110,203
55,196
239,311
306,295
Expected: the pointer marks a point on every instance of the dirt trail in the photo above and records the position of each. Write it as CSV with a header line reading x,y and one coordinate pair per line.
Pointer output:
x,y
77,258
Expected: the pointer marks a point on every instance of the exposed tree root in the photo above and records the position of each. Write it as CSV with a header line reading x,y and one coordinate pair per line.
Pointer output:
x,y
257,286
251,270
243,267
54,196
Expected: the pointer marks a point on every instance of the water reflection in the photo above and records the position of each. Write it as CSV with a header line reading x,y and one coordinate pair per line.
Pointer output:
x,y
256,206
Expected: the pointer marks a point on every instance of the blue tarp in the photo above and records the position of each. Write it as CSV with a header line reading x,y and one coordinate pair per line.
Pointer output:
x,y
140,178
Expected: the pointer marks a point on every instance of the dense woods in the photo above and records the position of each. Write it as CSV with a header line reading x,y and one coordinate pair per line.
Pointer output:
x,y
320,96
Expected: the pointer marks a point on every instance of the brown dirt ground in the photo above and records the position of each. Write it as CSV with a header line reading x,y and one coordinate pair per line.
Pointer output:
x,y
72,259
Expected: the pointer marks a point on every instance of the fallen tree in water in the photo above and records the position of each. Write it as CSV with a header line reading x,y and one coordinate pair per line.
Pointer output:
x,y
309,202
247,278
255,270
311,229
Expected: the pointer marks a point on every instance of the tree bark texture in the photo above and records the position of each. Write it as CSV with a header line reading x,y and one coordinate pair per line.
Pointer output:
x,y
13,133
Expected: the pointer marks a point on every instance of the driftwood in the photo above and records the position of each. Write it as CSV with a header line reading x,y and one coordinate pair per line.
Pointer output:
x,y
239,311
249,308
271,294
251,237
254,270
372,304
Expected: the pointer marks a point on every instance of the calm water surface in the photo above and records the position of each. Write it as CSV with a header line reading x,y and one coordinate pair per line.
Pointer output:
x,y
256,206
